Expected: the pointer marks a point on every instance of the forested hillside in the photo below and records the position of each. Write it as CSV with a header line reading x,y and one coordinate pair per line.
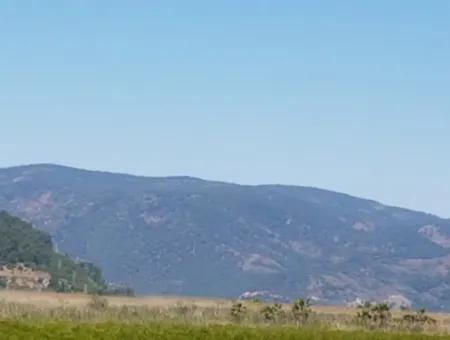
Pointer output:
x,y
27,256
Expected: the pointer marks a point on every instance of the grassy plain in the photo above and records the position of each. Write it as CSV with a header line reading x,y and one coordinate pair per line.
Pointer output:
x,y
160,331
33,315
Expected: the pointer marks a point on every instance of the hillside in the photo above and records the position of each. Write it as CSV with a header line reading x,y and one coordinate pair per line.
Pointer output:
x,y
184,235
27,260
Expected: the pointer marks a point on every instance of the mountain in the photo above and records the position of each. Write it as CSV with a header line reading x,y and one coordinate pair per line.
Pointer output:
x,y
183,235
28,260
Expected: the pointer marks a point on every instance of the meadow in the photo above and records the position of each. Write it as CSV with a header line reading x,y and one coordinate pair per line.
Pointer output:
x,y
64,330
31,315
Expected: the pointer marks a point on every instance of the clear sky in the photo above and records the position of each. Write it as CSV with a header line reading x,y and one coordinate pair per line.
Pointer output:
x,y
349,95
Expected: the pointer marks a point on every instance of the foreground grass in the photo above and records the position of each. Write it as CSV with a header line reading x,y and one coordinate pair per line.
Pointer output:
x,y
65,330
97,318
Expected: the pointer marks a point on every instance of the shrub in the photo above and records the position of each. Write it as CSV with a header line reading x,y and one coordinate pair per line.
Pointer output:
x,y
418,320
381,314
301,310
272,313
238,311
376,315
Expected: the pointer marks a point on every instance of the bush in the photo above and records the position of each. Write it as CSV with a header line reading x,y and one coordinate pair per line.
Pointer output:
x,y
418,320
374,315
272,313
238,311
61,286
301,310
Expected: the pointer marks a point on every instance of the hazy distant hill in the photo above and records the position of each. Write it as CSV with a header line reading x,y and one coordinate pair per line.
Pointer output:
x,y
188,236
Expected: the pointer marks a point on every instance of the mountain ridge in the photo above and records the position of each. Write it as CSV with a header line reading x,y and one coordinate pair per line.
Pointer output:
x,y
180,235
194,178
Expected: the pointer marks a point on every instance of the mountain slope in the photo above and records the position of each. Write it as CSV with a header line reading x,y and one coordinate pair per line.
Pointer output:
x,y
184,235
27,260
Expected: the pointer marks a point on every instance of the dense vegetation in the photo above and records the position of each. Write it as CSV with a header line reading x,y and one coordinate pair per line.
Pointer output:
x,y
22,244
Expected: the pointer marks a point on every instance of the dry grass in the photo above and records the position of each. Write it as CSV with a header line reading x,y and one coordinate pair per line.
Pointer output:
x,y
31,305
52,300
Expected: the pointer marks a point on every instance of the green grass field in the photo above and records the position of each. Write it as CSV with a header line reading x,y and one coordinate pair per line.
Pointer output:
x,y
65,330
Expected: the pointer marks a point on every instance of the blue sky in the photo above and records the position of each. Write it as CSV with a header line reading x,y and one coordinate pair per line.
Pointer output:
x,y
345,95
